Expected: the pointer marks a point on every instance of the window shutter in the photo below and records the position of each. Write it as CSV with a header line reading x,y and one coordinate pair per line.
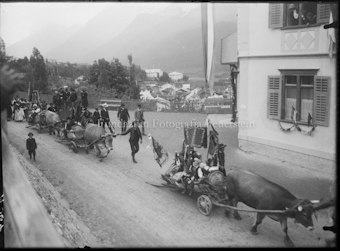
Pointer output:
x,y
321,100
323,11
274,97
275,15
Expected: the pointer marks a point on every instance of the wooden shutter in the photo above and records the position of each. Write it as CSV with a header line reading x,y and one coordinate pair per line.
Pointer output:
x,y
321,100
274,97
323,11
275,15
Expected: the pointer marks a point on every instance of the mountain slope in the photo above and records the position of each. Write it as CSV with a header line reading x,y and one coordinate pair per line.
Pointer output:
x,y
45,39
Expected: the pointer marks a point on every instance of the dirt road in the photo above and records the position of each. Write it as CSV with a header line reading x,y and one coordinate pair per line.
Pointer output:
x,y
121,210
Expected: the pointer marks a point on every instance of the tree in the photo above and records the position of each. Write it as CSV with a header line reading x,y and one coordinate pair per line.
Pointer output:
x,y
37,63
185,78
94,74
165,77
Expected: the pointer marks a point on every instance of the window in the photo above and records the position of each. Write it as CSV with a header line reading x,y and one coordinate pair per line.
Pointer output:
x,y
297,14
303,90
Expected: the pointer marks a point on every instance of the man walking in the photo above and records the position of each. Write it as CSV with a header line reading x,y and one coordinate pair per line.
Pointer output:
x,y
123,116
104,114
31,145
73,97
139,117
135,135
84,101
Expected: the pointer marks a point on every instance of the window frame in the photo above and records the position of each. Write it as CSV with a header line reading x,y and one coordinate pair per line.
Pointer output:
x,y
298,74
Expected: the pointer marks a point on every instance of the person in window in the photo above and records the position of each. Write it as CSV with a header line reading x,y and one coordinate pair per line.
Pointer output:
x,y
310,18
293,15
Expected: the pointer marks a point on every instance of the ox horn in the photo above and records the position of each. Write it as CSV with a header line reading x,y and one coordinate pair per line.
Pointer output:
x,y
315,201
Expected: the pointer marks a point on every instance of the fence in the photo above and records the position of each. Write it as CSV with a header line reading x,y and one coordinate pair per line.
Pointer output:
x,y
27,223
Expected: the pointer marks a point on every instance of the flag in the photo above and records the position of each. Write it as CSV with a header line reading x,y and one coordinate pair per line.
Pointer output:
x,y
208,41
331,34
310,118
160,154
293,116
213,140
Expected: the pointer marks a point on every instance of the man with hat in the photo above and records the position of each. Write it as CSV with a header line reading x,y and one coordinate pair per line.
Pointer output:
x,y
96,116
139,117
104,114
84,101
73,97
123,116
31,145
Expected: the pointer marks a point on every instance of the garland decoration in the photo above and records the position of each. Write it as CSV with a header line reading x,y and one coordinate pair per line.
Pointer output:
x,y
290,129
306,132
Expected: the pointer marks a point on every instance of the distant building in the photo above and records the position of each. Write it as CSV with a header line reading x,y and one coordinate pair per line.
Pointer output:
x,y
175,76
154,73
79,80
2,45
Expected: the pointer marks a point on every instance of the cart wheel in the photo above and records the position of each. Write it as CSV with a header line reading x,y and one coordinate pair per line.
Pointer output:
x,y
204,205
91,146
74,147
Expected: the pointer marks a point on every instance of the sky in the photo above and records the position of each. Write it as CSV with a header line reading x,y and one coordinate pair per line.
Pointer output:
x,y
20,19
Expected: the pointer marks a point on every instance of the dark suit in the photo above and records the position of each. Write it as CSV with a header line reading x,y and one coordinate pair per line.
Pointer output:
x,y
135,135
123,116
96,116
105,118
31,145
84,101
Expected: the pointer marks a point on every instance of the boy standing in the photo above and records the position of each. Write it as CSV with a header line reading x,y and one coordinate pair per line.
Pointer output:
x,y
31,145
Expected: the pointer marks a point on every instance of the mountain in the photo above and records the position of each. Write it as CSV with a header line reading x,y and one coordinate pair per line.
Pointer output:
x,y
44,40
163,41
106,25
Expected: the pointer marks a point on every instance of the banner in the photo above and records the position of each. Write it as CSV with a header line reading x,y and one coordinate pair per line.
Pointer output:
x,y
195,136
213,140
208,42
159,153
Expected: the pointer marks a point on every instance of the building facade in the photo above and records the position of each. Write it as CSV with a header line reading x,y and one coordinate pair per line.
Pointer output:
x,y
175,76
154,73
287,73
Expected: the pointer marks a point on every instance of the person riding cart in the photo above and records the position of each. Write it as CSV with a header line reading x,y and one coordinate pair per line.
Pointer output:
x,y
36,110
68,126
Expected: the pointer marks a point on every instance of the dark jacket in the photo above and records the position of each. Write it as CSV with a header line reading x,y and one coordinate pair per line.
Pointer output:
x,y
105,115
31,144
96,116
139,115
135,134
73,96
56,99
84,99
123,114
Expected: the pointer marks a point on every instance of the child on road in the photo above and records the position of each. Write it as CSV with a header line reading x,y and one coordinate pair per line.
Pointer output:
x,y
31,145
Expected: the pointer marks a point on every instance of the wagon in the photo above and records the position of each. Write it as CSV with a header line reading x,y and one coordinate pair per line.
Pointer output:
x,y
39,122
76,139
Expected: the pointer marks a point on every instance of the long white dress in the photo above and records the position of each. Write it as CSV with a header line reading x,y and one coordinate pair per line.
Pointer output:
x,y
19,115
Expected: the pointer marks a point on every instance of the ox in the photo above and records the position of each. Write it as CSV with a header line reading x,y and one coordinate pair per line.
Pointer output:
x,y
46,119
262,194
103,140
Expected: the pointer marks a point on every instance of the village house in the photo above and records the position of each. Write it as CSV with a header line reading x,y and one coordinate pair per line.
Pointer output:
x,y
175,76
286,72
154,73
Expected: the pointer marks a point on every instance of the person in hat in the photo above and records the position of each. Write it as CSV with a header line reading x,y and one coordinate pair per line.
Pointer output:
x,y
105,118
73,97
68,126
36,109
86,113
123,116
78,112
139,117
96,116
31,146
135,135
84,101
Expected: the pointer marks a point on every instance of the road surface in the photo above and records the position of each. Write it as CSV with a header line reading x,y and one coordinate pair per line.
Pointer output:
x,y
121,210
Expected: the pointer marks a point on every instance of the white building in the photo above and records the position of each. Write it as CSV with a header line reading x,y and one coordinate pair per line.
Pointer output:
x,y
154,73
285,64
175,76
